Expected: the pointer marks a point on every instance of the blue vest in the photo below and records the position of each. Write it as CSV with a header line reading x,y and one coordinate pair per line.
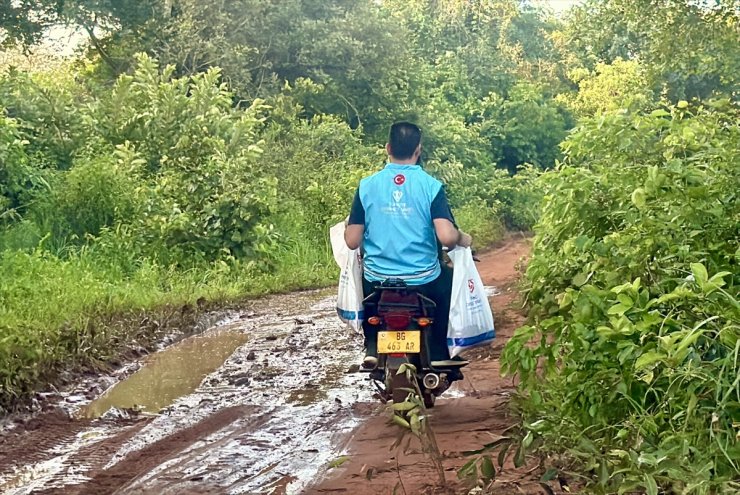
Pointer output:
x,y
400,240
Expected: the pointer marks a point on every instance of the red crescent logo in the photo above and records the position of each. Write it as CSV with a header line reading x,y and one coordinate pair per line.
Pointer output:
x,y
471,285
399,179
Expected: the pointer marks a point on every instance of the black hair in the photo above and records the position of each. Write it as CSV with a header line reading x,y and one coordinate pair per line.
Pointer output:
x,y
404,138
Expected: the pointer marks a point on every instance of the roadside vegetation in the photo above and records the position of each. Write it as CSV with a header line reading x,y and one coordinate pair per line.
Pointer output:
x,y
630,366
198,152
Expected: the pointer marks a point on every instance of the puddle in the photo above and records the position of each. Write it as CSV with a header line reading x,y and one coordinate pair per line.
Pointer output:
x,y
169,374
292,377
491,291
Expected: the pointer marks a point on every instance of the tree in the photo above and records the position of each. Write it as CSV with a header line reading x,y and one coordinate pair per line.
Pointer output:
x,y
622,84
24,22
690,49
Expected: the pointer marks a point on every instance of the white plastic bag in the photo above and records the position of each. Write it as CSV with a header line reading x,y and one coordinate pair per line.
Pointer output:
x,y
471,319
349,298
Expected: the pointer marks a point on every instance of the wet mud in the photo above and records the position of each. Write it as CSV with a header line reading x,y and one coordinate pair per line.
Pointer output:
x,y
262,403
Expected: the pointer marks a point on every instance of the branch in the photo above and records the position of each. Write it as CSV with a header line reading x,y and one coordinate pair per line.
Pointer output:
x,y
99,48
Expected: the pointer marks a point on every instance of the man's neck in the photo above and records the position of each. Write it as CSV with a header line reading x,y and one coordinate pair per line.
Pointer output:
x,y
408,161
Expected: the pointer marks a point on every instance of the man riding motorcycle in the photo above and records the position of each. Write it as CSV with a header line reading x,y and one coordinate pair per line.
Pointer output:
x,y
398,216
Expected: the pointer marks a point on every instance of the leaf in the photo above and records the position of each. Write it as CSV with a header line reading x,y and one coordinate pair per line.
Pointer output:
x,y
469,470
625,300
400,421
566,300
528,440
618,309
501,458
488,446
718,278
550,474
581,279
338,461
416,424
647,359
639,198
403,406
700,273
519,457
486,468
603,473
651,485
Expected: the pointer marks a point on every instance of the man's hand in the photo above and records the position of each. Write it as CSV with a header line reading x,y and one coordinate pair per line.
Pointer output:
x,y
465,240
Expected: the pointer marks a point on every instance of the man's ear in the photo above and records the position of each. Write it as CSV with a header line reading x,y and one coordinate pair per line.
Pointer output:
x,y
388,149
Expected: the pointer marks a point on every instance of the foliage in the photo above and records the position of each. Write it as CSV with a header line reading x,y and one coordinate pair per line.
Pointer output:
x,y
45,105
412,416
95,194
634,294
18,179
689,49
622,84
525,128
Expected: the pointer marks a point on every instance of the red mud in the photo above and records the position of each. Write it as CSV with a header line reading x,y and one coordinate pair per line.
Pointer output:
x,y
140,462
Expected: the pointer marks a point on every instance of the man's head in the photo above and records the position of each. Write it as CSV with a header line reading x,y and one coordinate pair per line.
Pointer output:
x,y
404,141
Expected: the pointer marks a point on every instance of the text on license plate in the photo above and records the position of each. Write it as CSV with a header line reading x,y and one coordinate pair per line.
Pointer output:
x,y
407,341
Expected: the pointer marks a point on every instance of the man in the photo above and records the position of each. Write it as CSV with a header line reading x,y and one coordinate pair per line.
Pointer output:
x,y
398,215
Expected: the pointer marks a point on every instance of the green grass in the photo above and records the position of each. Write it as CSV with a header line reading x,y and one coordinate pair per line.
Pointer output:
x,y
57,313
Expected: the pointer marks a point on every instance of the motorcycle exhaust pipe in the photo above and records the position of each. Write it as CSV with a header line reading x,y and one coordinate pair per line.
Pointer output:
x,y
431,381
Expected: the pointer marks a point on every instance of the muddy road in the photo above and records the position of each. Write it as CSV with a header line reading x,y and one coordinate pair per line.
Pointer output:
x,y
264,401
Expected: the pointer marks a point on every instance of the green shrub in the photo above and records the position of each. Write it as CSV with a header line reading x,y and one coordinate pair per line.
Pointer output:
x,y
94,194
18,179
634,287
482,222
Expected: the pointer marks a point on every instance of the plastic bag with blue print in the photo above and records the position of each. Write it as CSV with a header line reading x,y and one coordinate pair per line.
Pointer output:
x,y
349,296
471,319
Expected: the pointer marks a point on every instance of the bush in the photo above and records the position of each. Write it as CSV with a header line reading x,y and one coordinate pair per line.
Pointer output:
x,y
94,194
482,222
634,297
18,180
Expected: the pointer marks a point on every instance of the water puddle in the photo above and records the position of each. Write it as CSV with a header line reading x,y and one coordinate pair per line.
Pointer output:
x,y
170,374
291,375
491,291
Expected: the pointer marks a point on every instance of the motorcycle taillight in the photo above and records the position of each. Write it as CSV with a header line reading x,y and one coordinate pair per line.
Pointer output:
x,y
397,321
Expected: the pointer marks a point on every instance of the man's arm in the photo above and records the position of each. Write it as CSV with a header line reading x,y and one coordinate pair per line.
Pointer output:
x,y
353,235
447,233
444,224
355,230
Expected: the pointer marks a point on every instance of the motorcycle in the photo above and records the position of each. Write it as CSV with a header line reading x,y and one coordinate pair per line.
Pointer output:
x,y
404,318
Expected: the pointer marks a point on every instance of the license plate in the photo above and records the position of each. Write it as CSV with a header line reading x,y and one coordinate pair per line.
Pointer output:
x,y
403,341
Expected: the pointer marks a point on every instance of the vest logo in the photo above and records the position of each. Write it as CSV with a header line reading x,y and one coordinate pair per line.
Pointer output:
x,y
399,179
471,285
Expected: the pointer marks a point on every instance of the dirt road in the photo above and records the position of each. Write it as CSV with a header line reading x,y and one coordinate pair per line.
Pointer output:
x,y
243,408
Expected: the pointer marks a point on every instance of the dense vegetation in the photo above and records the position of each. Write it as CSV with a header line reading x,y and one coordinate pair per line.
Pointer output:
x,y
200,151
630,367
139,176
